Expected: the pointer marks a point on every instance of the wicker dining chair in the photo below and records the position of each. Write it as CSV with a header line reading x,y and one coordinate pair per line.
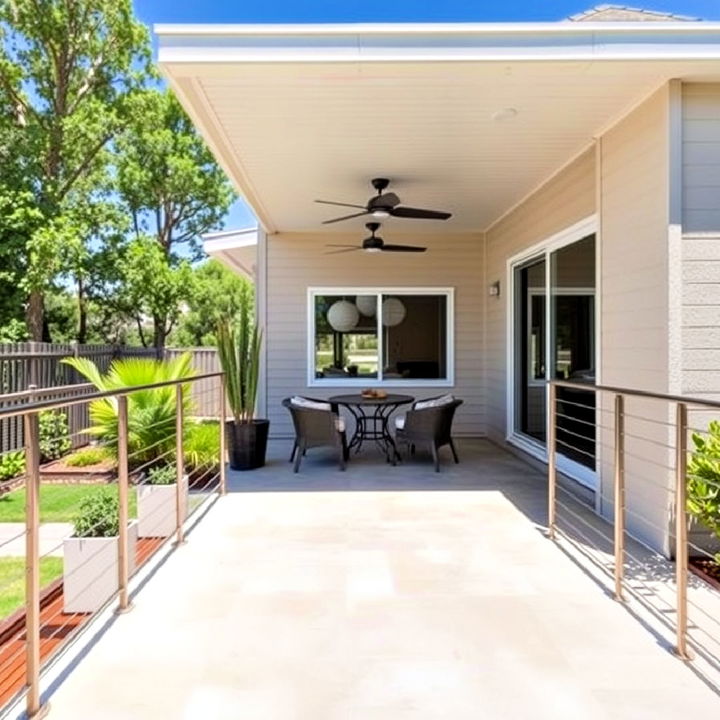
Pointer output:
x,y
429,426
316,427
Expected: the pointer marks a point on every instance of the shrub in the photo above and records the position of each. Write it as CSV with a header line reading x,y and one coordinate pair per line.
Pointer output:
x,y
99,515
201,448
87,456
54,435
12,464
162,475
151,413
703,483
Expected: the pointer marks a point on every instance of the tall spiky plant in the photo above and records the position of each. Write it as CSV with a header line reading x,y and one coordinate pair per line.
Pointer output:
x,y
239,343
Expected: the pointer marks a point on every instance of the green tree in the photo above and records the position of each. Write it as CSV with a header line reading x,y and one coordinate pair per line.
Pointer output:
x,y
215,293
152,289
168,179
68,69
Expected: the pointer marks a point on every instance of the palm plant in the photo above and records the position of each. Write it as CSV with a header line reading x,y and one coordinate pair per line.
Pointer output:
x,y
238,346
151,412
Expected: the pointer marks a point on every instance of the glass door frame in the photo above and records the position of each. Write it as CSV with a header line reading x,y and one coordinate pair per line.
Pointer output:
x,y
543,251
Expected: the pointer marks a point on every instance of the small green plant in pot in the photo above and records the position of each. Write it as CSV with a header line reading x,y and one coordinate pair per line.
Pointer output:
x,y
239,345
703,483
90,555
157,497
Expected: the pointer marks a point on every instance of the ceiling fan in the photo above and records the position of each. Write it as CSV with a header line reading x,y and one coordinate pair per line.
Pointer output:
x,y
375,244
385,205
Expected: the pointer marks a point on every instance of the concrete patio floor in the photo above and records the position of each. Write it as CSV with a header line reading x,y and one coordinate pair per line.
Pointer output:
x,y
378,593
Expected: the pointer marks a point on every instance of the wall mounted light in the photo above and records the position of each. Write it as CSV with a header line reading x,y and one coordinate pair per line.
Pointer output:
x,y
494,289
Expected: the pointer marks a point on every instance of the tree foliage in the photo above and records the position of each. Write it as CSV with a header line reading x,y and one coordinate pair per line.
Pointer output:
x,y
214,293
68,69
97,162
168,179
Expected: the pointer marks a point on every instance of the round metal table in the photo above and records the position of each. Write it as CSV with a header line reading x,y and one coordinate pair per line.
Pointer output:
x,y
372,416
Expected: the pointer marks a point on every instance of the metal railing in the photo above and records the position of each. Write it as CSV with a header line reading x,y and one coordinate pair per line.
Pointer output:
x,y
667,436
128,477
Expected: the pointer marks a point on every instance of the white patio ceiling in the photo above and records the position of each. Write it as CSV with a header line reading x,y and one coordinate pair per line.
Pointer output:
x,y
295,127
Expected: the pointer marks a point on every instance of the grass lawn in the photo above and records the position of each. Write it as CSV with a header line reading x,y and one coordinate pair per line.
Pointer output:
x,y
12,580
58,503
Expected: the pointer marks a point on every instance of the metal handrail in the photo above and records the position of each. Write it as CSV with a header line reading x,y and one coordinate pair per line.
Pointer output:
x,y
34,390
681,403
629,392
18,410
30,413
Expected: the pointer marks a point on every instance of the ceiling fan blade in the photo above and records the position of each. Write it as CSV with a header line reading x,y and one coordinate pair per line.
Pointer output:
x,y
345,217
386,200
402,248
331,202
419,213
336,245
336,252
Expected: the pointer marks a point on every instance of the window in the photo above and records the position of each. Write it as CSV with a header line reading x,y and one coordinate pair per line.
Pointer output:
x,y
396,336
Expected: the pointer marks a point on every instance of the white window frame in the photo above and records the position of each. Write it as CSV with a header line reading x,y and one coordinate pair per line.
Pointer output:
x,y
544,250
313,381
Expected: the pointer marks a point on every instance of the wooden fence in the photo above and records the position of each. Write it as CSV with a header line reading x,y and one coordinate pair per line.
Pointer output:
x,y
204,392
38,365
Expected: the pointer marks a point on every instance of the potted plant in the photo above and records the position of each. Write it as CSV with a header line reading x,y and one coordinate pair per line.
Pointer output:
x,y
239,352
90,555
157,502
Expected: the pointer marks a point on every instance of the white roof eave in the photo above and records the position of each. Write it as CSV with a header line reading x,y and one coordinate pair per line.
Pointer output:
x,y
437,42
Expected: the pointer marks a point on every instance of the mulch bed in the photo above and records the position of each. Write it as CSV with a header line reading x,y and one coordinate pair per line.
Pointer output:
x,y
57,627
58,471
707,570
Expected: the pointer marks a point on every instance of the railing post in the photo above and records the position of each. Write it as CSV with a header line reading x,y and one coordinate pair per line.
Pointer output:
x,y
221,414
123,498
552,470
179,463
619,495
32,564
681,529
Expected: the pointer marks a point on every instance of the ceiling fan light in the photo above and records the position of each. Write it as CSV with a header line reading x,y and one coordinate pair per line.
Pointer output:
x,y
380,214
372,249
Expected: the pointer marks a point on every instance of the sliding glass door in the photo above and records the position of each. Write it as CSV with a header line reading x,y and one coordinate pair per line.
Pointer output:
x,y
531,351
554,337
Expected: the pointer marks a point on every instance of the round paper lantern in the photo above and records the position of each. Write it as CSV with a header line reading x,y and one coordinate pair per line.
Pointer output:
x,y
343,316
393,312
367,305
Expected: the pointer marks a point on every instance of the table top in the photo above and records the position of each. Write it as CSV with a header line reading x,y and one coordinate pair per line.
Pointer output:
x,y
358,399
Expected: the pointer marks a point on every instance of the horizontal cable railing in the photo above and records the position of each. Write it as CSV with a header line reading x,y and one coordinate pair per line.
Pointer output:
x,y
638,445
134,486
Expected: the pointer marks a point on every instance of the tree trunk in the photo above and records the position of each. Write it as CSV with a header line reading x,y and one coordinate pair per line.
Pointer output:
x,y
35,315
159,336
82,313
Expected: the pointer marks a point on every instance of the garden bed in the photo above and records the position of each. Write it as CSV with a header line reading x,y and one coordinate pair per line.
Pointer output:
x,y
706,569
58,471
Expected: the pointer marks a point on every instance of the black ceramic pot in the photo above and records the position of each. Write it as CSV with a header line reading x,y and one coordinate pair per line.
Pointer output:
x,y
247,443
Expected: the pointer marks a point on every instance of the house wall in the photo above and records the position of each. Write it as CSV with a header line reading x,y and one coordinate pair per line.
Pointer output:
x,y
566,199
701,239
296,262
636,337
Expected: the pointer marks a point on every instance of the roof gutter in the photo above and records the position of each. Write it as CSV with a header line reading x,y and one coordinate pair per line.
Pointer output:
x,y
586,41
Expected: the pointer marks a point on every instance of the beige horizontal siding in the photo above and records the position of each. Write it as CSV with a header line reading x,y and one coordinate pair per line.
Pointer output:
x,y
564,200
701,315
297,261
701,157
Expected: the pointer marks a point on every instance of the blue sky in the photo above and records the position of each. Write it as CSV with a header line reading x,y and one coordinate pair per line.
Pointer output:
x,y
392,11
314,11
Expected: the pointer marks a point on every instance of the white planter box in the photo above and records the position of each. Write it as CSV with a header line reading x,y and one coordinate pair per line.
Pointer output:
x,y
156,509
90,570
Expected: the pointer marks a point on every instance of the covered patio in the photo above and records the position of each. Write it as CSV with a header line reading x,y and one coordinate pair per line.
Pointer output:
x,y
383,592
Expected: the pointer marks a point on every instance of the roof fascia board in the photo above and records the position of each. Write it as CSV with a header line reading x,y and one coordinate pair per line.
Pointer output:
x,y
412,43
